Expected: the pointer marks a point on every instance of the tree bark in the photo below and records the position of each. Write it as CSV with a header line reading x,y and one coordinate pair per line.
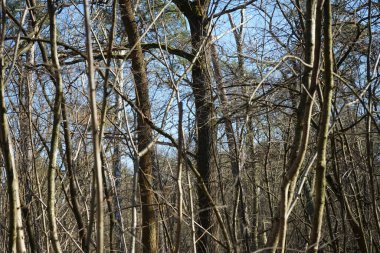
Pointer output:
x,y
302,130
145,176
196,14
320,183
96,141
16,243
57,79
26,156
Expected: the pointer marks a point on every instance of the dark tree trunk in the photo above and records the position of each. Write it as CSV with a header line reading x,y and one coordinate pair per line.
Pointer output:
x,y
149,235
196,14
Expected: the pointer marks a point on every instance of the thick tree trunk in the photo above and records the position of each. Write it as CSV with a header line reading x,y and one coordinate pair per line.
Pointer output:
x,y
149,230
196,14
205,129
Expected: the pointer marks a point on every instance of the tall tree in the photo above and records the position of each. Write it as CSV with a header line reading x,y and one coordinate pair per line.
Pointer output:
x,y
196,13
311,33
320,183
52,171
16,241
145,176
96,141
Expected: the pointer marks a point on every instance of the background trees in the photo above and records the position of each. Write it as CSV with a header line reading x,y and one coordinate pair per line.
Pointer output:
x,y
209,126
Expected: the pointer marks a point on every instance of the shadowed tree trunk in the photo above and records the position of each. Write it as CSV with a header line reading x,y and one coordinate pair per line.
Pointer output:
x,y
71,170
145,176
233,154
196,14
26,156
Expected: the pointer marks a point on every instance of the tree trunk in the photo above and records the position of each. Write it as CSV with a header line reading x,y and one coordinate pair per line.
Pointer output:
x,y
145,176
96,142
16,237
16,241
71,170
302,130
320,183
26,156
57,79
196,14
16,233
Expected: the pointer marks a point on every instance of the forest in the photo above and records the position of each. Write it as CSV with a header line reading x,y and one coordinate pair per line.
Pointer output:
x,y
170,126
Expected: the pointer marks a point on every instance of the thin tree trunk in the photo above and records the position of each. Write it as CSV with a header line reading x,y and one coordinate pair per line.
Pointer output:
x,y
134,198
39,239
300,142
345,206
233,152
117,166
72,177
179,177
320,183
16,243
95,134
26,156
57,79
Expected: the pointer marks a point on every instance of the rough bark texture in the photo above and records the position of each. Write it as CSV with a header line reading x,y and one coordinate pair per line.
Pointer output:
x,y
196,14
149,230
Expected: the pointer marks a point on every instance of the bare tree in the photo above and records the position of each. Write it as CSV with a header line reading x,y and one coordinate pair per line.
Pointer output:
x,y
16,242
189,126
320,183
53,152
149,229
